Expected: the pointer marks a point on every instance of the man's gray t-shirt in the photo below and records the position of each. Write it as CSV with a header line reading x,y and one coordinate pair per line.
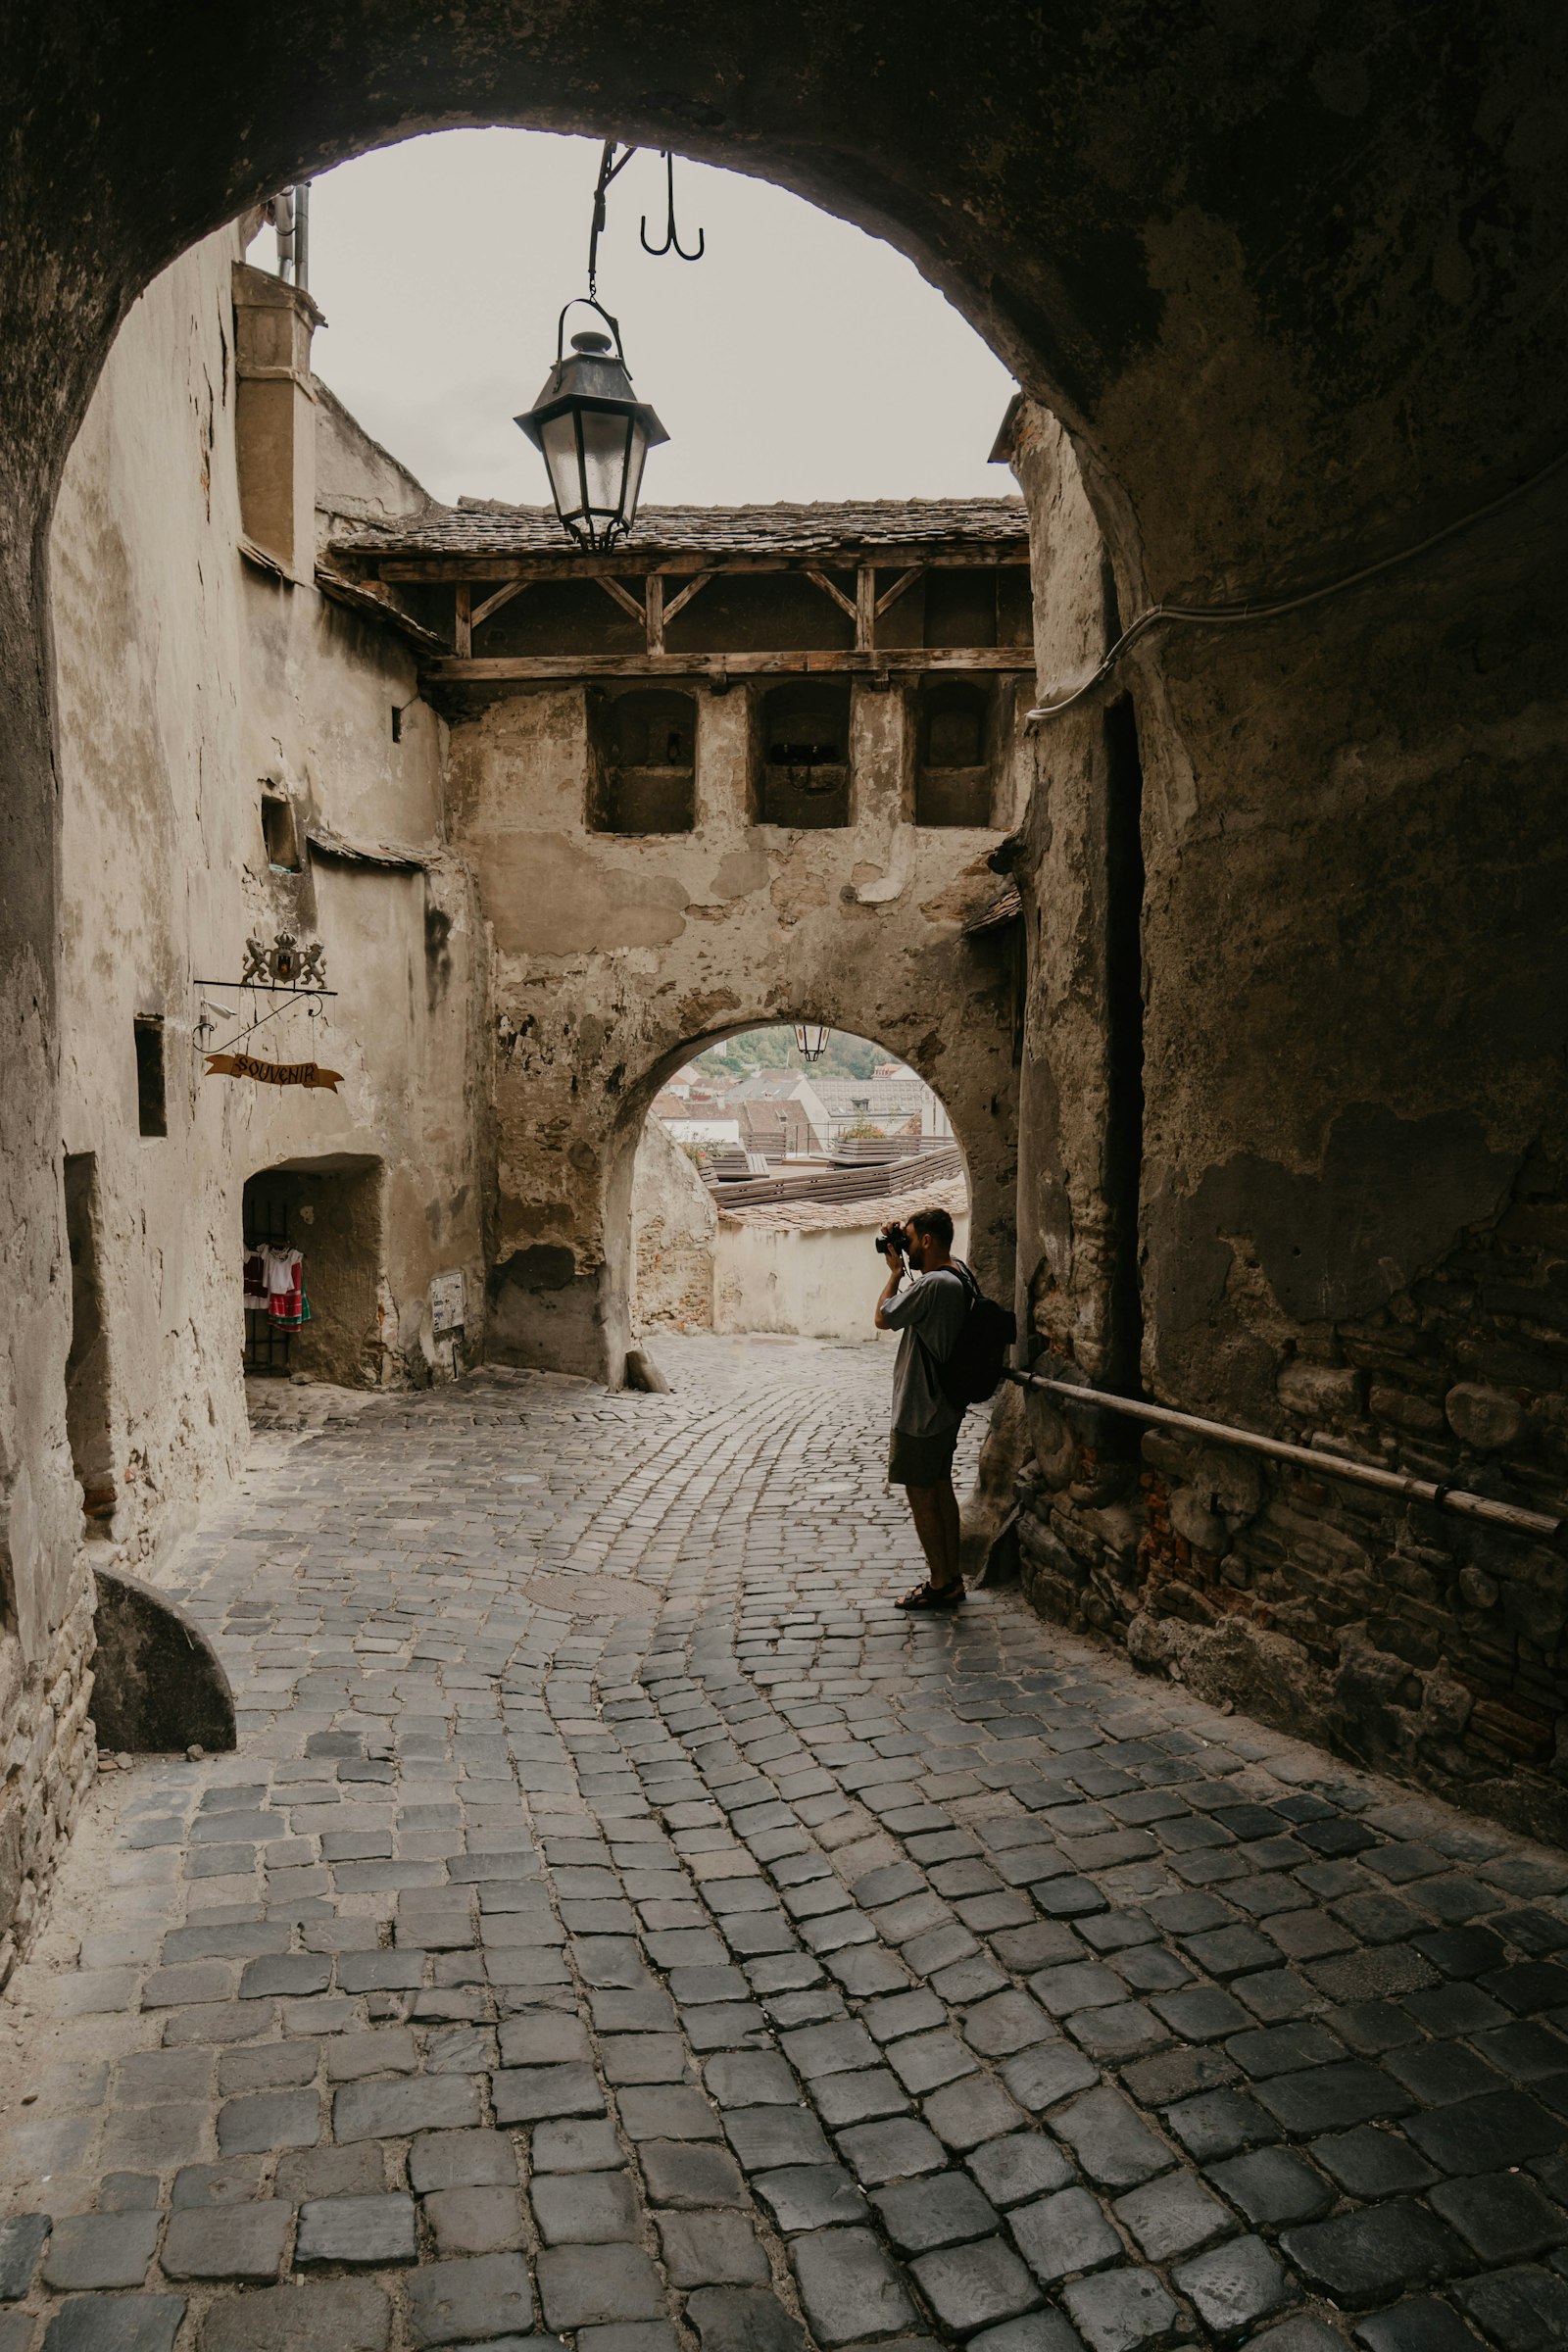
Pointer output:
x,y
934,1308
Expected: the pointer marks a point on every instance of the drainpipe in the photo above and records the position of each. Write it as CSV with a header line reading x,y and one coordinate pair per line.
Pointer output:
x,y
302,233
282,210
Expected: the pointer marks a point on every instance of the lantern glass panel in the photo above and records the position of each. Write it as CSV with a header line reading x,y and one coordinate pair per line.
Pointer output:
x,y
636,456
558,441
604,456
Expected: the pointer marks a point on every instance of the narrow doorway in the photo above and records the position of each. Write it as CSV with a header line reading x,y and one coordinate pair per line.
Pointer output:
x,y
268,1337
87,1407
313,1260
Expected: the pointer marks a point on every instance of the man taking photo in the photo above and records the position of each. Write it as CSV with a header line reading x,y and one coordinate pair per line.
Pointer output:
x,y
928,1318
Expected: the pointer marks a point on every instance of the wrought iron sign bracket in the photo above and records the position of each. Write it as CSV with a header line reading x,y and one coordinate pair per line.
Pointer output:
x,y
285,969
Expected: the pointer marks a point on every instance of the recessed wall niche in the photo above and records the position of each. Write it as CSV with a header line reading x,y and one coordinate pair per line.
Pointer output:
x,y
642,761
954,736
802,774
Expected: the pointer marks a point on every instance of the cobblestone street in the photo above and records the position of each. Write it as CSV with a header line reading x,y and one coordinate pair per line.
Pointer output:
x,y
618,1922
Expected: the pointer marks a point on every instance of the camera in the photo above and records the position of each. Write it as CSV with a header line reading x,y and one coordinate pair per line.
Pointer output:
x,y
895,1238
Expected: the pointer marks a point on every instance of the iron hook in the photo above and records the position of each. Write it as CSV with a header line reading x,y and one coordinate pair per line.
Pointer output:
x,y
671,233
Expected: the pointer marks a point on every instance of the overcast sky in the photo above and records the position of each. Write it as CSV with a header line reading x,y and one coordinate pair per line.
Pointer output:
x,y
800,358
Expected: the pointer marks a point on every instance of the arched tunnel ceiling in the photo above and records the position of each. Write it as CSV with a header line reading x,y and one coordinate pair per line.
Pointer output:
x,y
1293,273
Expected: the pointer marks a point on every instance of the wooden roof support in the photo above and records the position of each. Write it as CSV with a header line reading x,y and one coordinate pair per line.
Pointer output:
x,y
685,595
820,580
463,620
903,661
905,579
477,565
493,604
624,597
865,608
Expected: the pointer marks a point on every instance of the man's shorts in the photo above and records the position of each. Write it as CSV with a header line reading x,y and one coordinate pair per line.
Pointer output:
x,y
920,1461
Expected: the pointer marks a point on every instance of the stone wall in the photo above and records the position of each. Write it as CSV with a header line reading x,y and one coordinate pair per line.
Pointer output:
x,y
615,957
673,1223
1317,1182
51,1759
1298,295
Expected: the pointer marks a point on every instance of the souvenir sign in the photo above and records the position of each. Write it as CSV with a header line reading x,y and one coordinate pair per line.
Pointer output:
x,y
272,1073
293,975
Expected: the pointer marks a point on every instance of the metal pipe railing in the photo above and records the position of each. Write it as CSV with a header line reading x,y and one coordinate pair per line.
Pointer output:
x,y
1307,1458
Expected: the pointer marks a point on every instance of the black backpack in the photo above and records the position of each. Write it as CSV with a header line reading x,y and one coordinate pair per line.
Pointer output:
x,y
970,1373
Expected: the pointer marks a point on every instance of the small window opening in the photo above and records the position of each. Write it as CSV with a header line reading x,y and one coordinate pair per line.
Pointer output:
x,y
280,833
953,782
805,778
151,1116
642,761
396,722
88,1408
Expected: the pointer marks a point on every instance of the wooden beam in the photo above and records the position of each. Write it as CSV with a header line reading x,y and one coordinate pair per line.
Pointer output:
x,y
462,621
820,580
865,608
654,614
623,597
522,668
905,579
685,595
631,565
493,604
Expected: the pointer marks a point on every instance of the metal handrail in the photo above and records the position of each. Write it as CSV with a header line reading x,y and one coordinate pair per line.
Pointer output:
x,y
1308,1457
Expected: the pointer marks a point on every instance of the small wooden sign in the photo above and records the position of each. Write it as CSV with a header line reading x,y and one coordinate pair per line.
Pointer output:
x,y
272,1073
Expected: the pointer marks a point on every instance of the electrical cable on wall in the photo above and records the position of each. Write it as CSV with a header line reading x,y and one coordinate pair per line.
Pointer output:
x,y
1231,615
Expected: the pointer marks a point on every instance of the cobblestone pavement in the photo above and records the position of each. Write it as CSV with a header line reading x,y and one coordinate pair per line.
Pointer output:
x,y
618,1924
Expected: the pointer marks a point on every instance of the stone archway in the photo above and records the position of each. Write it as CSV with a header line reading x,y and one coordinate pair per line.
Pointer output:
x,y
949,1015
1291,285
979,1099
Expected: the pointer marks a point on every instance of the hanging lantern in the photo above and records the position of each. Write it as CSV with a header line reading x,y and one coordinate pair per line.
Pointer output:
x,y
594,434
812,1038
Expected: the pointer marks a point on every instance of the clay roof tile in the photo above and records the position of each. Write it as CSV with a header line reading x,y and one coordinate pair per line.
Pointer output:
x,y
487,527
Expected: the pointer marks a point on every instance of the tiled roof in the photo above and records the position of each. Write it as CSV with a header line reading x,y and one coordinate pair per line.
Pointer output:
x,y
818,1216
1005,908
477,527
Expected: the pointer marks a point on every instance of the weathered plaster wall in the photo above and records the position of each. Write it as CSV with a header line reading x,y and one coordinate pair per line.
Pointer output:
x,y
820,1282
185,677
188,679
1351,1191
616,956
673,1223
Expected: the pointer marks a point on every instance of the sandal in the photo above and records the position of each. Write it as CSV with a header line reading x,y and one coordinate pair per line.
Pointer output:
x,y
933,1596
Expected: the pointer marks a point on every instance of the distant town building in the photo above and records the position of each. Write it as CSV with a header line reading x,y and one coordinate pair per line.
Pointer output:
x,y
888,1103
713,1131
